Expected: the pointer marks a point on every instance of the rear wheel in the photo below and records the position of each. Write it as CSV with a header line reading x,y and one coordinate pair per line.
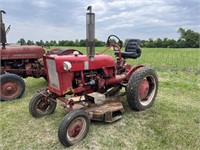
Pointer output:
x,y
40,106
74,127
12,87
142,88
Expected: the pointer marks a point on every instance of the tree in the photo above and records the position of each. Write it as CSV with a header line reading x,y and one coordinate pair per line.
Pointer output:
x,y
150,43
47,43
39,43
71,43
158,43
29,42
82,43
77,42
22,41
61,43
181,31
99,43
171,43
188,38
142,44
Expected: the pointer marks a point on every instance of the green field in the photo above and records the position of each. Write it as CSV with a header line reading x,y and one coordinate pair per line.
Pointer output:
x,y
172,123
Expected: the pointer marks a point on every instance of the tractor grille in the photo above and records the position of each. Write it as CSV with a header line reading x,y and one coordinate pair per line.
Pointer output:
x,y
53,75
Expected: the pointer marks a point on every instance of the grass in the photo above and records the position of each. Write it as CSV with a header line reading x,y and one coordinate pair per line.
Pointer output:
x,y
172,123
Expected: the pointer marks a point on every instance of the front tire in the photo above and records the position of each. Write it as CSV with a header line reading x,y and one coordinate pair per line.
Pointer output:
x,y
40,106
12,87
142,88
73,128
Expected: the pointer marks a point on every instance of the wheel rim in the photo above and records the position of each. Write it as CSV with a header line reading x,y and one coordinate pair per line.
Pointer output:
x,y
76,130
147,90
42,105
9,89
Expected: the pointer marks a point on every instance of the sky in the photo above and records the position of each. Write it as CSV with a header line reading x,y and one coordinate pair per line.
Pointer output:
x,y
65,19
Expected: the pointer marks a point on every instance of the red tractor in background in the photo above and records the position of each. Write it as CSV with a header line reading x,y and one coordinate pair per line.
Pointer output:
x,y
18,62
88,86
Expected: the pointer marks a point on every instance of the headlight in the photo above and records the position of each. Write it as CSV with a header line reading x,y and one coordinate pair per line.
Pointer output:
x,y
67,65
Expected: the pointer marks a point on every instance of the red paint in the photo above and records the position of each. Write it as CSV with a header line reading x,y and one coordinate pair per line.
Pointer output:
x,y
62,51
116,80
22,52
77,62
144,89
131,70
65,78
75,128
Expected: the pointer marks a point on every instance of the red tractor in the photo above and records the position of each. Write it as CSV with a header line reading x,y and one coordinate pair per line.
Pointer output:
x,y
19,62
88,86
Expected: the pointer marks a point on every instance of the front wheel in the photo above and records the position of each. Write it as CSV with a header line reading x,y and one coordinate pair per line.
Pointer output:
x,y
40,105
73,128
142,88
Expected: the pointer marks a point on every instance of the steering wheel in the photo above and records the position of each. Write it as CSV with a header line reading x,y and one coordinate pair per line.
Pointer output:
x,y
111,42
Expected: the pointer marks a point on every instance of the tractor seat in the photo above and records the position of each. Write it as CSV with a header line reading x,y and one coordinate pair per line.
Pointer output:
x,y
132,49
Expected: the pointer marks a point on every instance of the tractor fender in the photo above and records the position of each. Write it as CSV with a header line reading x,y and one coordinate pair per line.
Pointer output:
x,y
133,69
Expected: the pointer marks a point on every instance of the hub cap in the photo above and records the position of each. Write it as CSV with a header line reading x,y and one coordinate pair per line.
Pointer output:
x,y
76,129
9,89
147,90
42,105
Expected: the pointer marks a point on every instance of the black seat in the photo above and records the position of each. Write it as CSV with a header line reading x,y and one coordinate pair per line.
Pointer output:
x,y
132,49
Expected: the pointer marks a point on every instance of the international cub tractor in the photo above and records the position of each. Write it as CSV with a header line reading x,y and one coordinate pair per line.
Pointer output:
x,y
88,86
19,62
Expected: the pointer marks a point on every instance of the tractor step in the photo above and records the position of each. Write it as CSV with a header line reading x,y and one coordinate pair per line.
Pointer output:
x,y
96,98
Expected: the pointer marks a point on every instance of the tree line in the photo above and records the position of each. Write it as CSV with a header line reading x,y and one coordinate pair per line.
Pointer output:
x,y
78,43
188,39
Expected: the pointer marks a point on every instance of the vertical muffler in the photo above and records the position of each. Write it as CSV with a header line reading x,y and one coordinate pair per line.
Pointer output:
x,y
90,33
2,30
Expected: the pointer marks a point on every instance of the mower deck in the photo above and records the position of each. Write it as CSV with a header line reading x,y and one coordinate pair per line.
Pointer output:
x,y
108,112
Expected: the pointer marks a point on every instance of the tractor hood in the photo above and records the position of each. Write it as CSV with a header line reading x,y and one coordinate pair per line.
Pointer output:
x,y
81,62
22,52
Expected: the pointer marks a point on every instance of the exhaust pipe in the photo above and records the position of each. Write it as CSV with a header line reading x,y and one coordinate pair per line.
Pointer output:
x,y
90,33
2,30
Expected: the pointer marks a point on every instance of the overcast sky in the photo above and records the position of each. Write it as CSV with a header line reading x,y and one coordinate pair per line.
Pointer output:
x,y
65,19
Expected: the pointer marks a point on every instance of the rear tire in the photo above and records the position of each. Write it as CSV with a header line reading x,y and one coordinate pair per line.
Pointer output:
x,y
40,106
12,87
73,128
142,88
